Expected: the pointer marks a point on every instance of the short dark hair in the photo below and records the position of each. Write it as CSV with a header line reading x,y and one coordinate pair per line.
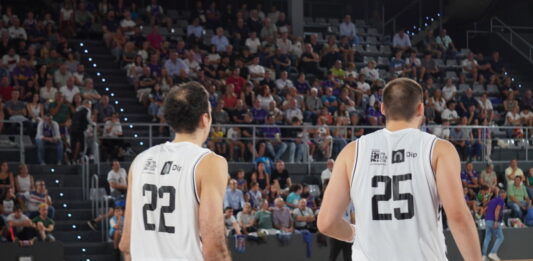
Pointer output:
x,y
184,106
401,98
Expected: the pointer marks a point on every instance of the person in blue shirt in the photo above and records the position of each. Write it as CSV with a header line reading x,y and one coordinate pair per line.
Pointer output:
x,y
329,100
493,218
233,197
294,196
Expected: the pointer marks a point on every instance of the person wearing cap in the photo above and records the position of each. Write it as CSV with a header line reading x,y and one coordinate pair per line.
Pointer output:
x,y
493,218
48,134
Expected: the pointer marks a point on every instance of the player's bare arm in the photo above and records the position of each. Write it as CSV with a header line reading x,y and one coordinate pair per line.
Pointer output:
x,y
337,198
448,169
212,178
124,245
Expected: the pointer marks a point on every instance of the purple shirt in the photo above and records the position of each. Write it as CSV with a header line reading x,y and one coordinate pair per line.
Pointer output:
x,y
491,209
467,178
270,132
259,115
302,87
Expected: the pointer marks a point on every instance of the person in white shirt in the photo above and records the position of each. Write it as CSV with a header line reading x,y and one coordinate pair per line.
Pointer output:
x,y
16,31
370,71
253,43
527,117
513,171
283,43
195,29
69,90
443,131
118,180
10,59
450,114
363,86
470,65
445,44
48,91
326,174
449,90
127,24
401,41
347,28
257,71
283,82
486,105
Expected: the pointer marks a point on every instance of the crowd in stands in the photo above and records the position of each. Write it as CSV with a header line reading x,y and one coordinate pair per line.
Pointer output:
x,y
26,211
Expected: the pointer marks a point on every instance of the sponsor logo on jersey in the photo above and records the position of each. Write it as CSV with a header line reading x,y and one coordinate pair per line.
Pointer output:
x,y
378,157
398,156
169,167
150,166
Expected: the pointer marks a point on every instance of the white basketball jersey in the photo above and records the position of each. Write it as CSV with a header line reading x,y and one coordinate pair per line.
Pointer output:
x,y
165,203
394,192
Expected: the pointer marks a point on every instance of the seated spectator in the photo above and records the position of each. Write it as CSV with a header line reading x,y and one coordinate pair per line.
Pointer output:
x,y
69,90
7,179
195,30
269,31
304,217
347,28
219,40
257,71
118,181
413,64
48,91
233,197
116,224
8,204
461,138
397,65
518,201
292,111
513,171
449,90
529,183
486,105
104,109
309,62
236,80
274,144
282,61
337,71
232,226
35,198
112,144
62,75
488,178
88,91
44,224
20,226
16,108
253,43
246,219
326,173
445,45
526,102
370,71
510,102
470,177
263,217
298,148
280,176
294,195
470,66
450,114
255,196
156,98
48,134
281,216
466,102
301,84
401,41
428,67
59,110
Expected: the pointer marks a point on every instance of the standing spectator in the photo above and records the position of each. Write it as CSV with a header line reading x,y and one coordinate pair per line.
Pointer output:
x,y
326,174
280,175
493,218
281,216
304,217
445,44
80,122
233,197
513,171
118,180
518,200
246,219
44,224
48,134
20,225
348,29
116,224
401,41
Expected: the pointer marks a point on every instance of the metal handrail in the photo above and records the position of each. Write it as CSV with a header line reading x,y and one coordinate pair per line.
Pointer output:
x,y
22,155
85,176
94,201
494,21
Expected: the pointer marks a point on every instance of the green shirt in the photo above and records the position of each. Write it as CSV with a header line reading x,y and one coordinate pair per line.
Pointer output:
x,y
46,222
264,219
62,115
519,193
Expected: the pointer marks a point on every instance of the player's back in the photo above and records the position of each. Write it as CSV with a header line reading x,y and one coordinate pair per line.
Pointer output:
x,y
394,193
165,203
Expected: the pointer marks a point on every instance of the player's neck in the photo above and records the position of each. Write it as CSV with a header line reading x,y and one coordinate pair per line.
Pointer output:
x,y
192,138
400,125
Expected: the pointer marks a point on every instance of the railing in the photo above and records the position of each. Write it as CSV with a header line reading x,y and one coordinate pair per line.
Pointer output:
x,y
392,20
20,135
143,136
100,206
85,170
509,35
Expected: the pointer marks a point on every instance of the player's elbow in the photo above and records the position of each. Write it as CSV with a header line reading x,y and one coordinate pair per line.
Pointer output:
x,y
324,223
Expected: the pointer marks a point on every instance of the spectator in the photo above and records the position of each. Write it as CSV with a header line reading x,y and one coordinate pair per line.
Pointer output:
x,y
48,133
413,64
5,89
263,217
35,198
401,41
281,216
253,43
292,111
176,66
257,71
269,31
237,80
234,197
104,109
348,29
466,102
518,200
59,109
8,204
246,219
470,66
80,122
255,195
398,66
461,137
529,183
488,178
294,196
428,67
116,224
195,30
118,181
10,59
298,147
62,75
48,91
304,217
274,145
513,171
510,102
280,176
232,226
309,62
470,177
219,40
156,98
20,225
112,144
450,114
493,218
527,100
16,109
69,90
445,44
88,92
44,224
326,174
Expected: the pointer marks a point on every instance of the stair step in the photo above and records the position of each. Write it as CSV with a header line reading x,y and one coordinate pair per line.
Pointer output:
x,y
73,214
108,257
65,193
71,226
84,236
88,248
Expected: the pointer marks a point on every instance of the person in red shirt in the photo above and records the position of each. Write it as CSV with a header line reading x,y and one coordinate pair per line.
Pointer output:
x,y
229,97
236,79
5,89
155,38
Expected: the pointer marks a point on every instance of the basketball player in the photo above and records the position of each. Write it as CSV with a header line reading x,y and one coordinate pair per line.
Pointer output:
x,y
176,189
397,178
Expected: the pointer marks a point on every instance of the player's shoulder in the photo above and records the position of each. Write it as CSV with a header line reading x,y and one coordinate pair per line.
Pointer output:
x,y
211,159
